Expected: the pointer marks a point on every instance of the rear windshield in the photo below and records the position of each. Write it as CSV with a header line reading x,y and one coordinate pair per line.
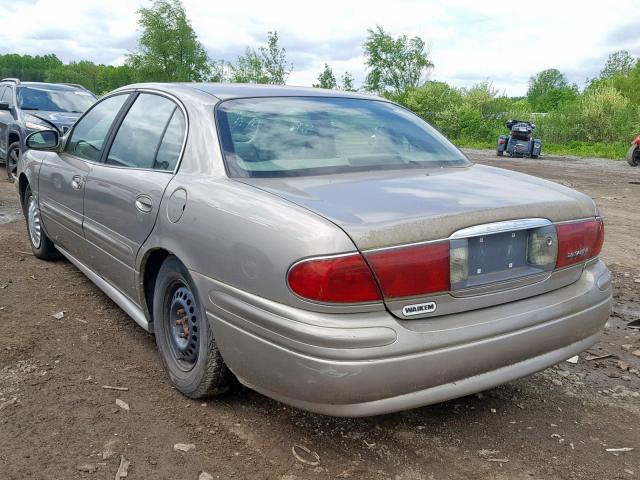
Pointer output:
x,y
53,99
286,136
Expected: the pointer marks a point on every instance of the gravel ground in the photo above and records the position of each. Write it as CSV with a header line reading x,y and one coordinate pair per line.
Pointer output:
x,y
58,421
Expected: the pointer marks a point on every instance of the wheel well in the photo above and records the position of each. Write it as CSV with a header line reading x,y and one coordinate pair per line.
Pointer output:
x,y
150,269
13,137
22,186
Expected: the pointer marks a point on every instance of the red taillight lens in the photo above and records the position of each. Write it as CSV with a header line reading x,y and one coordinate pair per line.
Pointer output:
x,y
410,271
579,241
340,279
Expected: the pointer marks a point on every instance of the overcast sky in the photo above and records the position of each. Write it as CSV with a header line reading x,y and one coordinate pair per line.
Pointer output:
x,y
469,40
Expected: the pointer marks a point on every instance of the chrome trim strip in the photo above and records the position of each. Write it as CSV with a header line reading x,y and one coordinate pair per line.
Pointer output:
x,y
500,227
114,294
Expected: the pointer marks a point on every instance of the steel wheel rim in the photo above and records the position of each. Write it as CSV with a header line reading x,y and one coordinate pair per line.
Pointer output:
x,y
35,228
182,325
13,163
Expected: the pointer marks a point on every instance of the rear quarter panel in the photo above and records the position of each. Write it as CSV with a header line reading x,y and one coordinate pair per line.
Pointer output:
x,y
242,237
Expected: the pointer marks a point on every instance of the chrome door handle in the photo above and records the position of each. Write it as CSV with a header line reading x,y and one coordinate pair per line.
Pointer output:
x,y
144,203
76,182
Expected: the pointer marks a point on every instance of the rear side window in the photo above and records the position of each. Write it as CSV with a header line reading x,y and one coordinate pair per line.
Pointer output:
x,y
150,135
169,150
91,130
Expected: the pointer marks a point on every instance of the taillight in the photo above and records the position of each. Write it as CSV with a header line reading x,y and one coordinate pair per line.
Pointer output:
x,y
339,279
411,271
579,241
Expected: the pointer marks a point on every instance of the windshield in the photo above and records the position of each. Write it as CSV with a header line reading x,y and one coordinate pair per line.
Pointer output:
x,y
287,136
53,99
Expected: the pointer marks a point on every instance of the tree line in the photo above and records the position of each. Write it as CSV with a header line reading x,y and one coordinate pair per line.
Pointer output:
x,y
599,119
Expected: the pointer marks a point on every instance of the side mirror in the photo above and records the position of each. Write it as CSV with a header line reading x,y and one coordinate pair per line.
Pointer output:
x,y
5,106
47,140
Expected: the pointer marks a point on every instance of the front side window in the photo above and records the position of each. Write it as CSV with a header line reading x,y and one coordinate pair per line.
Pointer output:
x,y
293,136
90,132
148,135
5,94
53,98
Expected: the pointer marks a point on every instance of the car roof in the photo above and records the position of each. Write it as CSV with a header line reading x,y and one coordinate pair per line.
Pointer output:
x,y
48,86
226,91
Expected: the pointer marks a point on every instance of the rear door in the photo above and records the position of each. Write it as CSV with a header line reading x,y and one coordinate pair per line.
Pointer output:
x,y
123,192
62,177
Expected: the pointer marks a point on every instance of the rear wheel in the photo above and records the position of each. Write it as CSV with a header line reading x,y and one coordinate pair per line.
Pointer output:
x,y
41,246
499,153
534,156
184,336
13,154
633,156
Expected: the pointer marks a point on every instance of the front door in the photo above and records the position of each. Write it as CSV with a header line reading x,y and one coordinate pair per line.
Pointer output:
x,y
63,176
123,192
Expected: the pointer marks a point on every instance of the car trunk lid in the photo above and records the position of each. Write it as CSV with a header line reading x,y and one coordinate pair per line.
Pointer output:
x,y
382,210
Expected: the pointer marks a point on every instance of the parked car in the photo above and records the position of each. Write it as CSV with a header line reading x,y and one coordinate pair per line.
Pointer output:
x,y
520,141
331,250
26,107
633,155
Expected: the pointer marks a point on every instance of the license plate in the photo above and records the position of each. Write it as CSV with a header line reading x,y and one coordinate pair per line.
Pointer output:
x,y
494,258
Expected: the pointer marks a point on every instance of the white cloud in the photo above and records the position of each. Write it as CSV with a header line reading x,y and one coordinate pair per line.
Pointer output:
x,y
470,41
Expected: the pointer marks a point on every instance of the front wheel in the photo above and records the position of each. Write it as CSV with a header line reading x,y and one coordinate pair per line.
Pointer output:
x,y
534,156
13,154
499,153
633,156
41,246
184,336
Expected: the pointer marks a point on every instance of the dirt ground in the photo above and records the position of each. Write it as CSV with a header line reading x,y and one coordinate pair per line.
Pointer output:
x,y
58,422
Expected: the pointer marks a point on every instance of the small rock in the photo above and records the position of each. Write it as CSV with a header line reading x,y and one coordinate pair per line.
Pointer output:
x,y
88,468
122,404
59,315
205,476
184,447
493,410
556,382
626,347
573,359
636,353
623,365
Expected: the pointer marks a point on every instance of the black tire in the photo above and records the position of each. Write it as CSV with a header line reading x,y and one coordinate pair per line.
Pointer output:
x,y
41,246
534,156
499,153
196,368
11,163
633,156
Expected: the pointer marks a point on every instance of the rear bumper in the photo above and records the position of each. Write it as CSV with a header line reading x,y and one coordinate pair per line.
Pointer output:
x,y
372,363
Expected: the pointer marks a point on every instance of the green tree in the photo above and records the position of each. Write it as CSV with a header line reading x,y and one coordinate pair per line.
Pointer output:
x,y
27,67
346,82
618,63
433,100
97,78
326,79
169,50
394,64
548,89
265,65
